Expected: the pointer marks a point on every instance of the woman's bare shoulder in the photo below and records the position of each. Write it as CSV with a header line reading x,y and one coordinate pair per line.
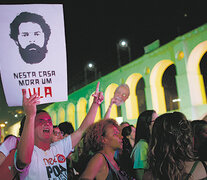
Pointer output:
x,y
96,168
198,173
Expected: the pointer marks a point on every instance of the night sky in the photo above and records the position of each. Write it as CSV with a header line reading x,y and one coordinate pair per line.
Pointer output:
x,y
94,27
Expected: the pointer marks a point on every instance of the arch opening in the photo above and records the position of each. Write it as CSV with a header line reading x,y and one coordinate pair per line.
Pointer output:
x,y
170,88
141,97
203,68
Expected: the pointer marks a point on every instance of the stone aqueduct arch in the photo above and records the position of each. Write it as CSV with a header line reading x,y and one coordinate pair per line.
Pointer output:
x,y
81,110
61,115
195,80
157,90
109,93
71,114
54,117
131,103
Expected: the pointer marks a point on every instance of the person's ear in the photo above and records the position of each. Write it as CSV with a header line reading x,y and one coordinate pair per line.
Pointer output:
x,y
103,140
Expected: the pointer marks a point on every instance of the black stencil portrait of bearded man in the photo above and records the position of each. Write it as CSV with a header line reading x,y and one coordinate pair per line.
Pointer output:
x,y
31,34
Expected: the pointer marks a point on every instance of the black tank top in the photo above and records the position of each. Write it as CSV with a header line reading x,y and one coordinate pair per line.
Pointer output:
x,y
193,168
114,174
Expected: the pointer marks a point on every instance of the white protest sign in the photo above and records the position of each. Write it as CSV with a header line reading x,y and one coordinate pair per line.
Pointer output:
x,y
33,52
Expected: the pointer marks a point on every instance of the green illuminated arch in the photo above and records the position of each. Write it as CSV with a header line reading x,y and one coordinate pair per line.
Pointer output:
x,y
54,117
195,78
157,90
131,103
81,110
71,114
61,115
109,93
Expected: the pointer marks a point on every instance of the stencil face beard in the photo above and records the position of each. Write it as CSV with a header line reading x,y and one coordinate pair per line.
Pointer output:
x,y
33,54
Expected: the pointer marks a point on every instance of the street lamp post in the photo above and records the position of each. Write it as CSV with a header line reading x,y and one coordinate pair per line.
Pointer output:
x,y
118,55
129,51
89,67
123,44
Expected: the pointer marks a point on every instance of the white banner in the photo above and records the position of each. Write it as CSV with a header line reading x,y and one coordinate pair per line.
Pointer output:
x,y
33,52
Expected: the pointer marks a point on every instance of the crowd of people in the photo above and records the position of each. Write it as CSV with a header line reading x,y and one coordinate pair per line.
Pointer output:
x,y
158,147
161,147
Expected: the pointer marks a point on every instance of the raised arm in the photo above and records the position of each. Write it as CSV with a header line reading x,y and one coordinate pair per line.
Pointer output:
x,y
90,117
108,112
26,143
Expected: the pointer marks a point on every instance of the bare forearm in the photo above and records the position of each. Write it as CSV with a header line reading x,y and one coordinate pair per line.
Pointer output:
x,y
108,112
26,143
89,119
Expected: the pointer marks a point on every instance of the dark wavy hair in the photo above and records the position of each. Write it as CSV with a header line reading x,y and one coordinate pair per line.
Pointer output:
x,y
94,135
66,127
170,146
125,161
24,17
198,128
200,141
142,128
126,131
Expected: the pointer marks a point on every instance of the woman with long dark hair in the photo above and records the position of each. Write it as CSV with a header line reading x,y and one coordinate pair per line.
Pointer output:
x,y
125,161
142,137
171,150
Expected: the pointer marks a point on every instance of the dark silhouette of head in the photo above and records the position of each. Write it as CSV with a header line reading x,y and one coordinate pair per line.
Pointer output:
x,y
66,128
126,131
31,33
143,126
199,128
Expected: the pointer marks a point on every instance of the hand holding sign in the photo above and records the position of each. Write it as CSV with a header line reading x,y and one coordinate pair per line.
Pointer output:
x,y
113,101
30,103
98,96
121,94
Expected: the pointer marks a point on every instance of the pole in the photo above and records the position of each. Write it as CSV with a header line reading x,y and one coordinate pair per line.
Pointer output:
x,y
85,74
129,51
95,72
118,55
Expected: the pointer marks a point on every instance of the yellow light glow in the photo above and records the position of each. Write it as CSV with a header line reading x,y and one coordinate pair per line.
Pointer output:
x,y
180,55
2,125
19,111
147,70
